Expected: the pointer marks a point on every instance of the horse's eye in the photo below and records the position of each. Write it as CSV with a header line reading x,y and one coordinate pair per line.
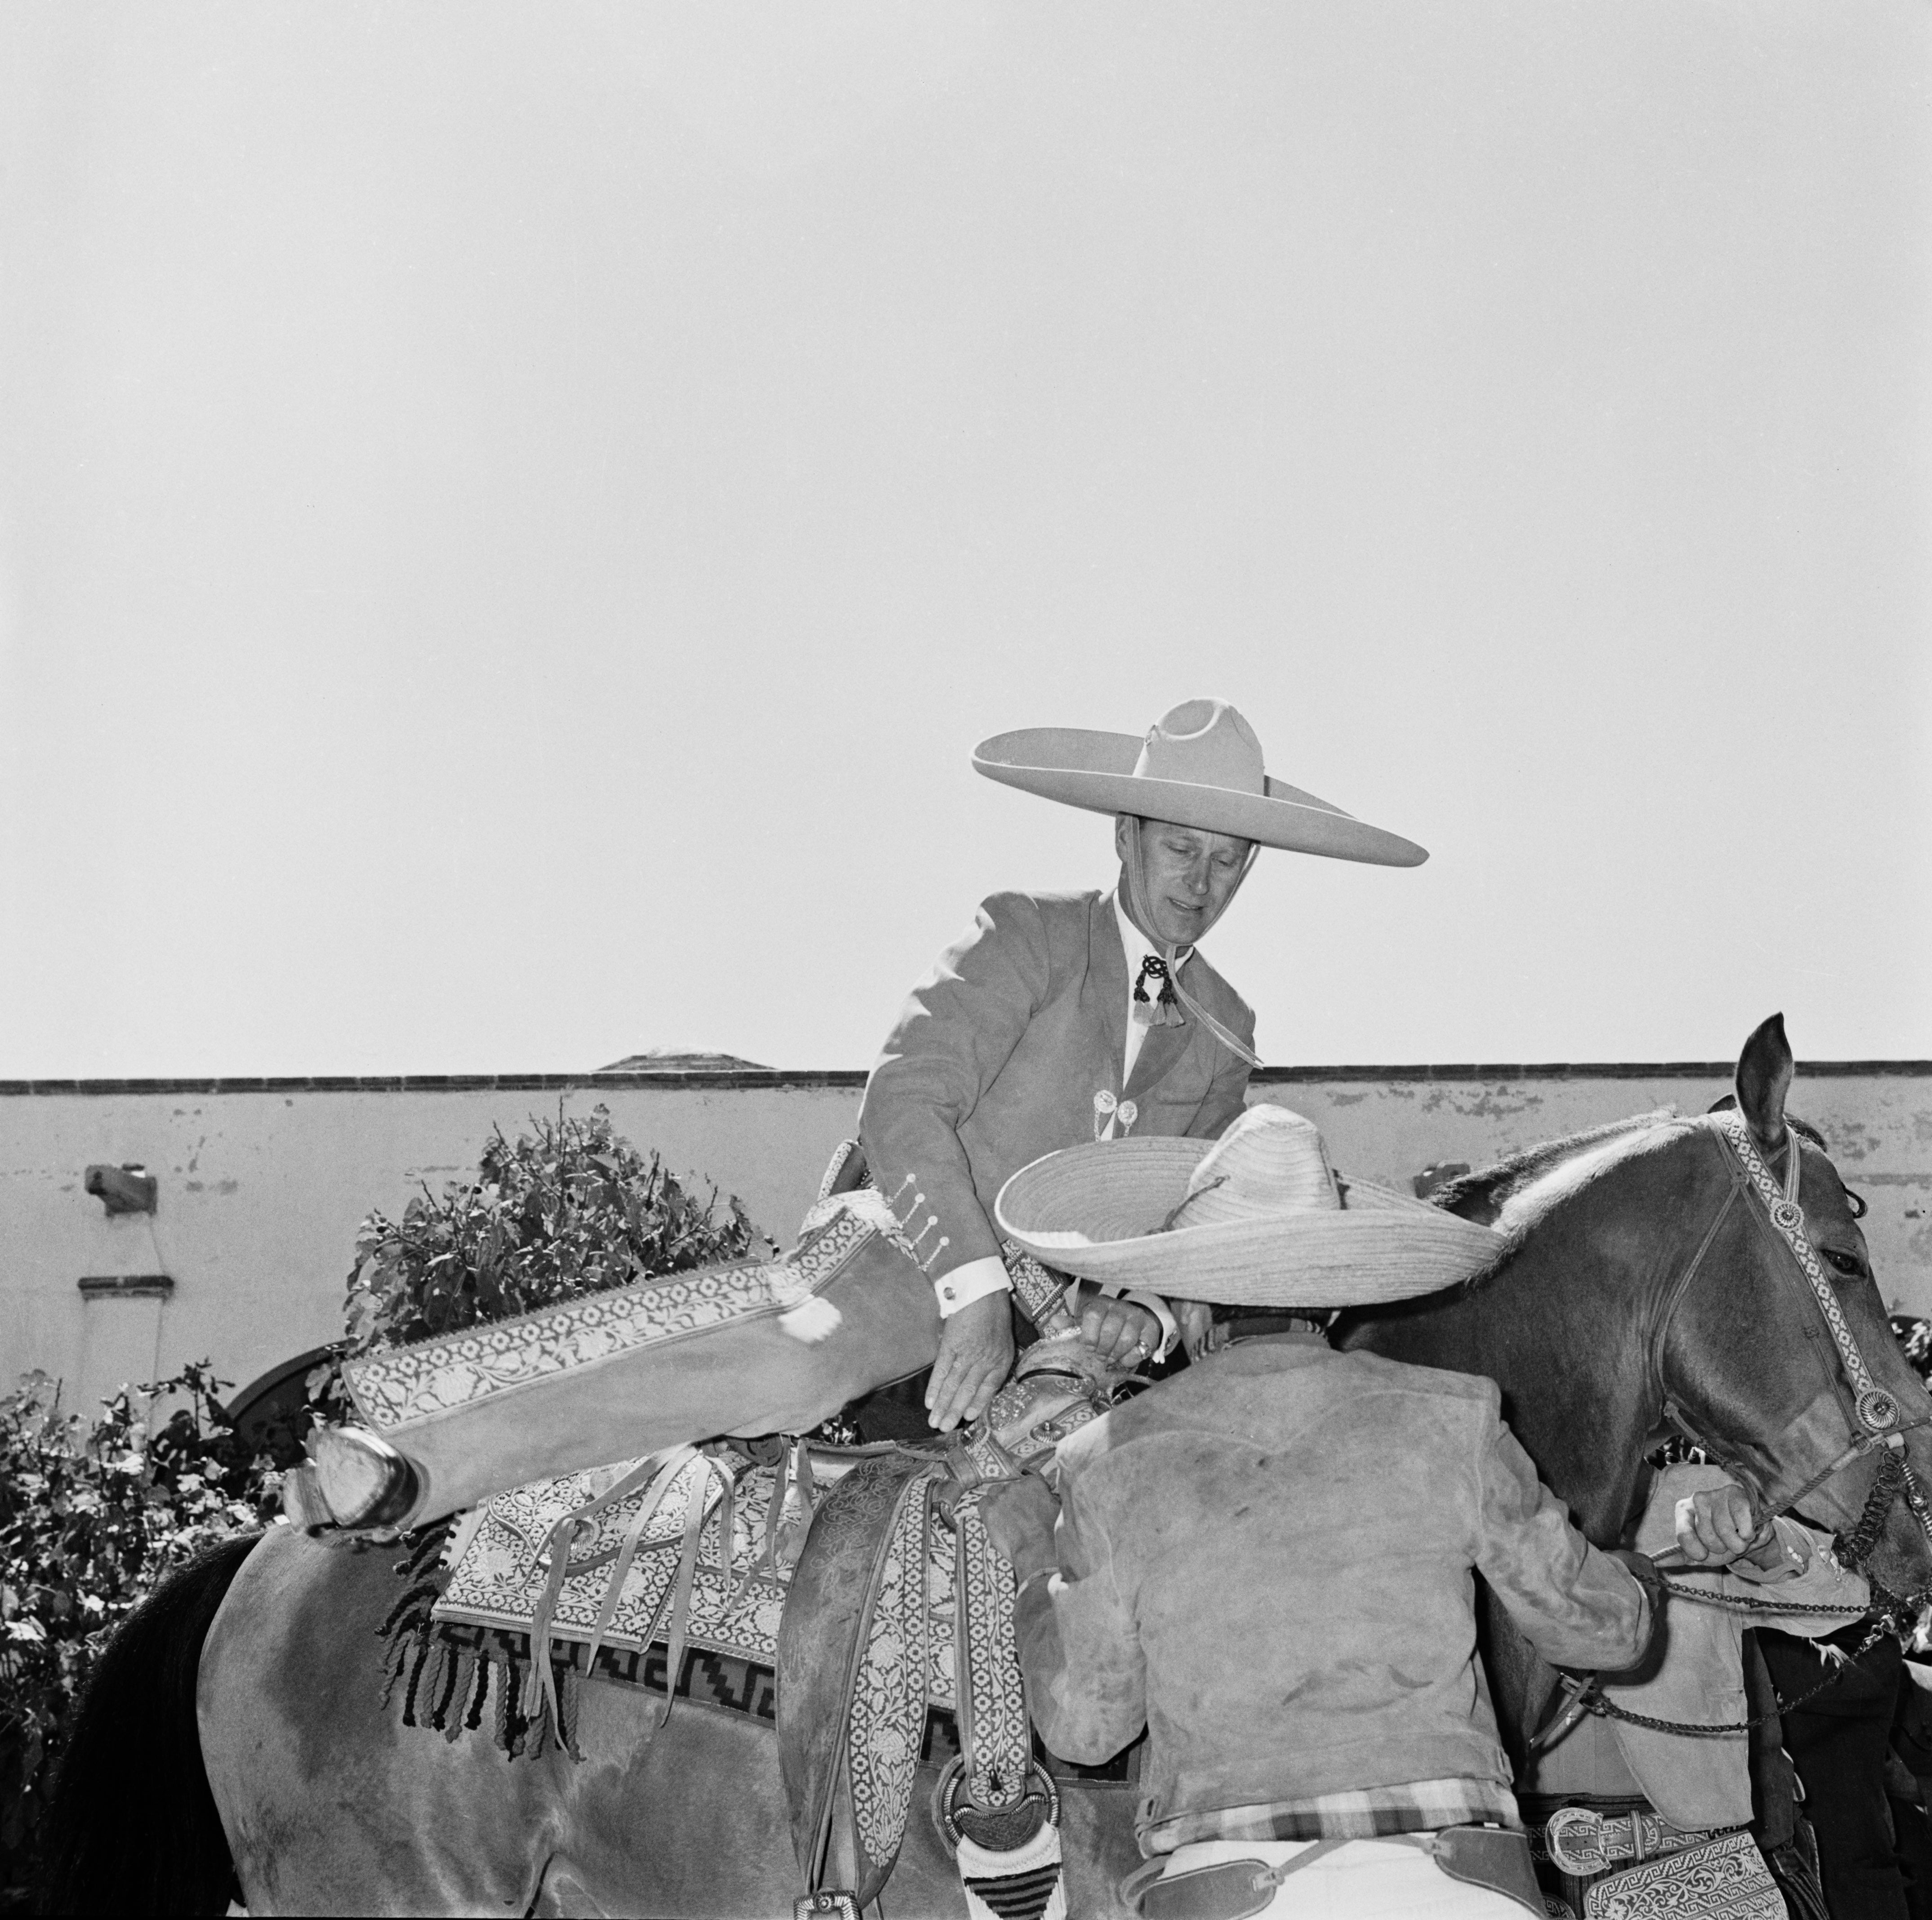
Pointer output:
x,y
1849,1264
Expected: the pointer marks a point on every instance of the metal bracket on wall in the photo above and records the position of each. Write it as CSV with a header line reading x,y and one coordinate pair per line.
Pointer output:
x,y
123,1286
129,1188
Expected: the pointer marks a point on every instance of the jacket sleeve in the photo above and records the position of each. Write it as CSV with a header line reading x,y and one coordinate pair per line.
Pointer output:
x,y
955,1033
1079,1646
1577,1606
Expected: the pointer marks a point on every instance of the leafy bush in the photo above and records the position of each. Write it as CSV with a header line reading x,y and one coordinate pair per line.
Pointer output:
x,y
89,1521
572,1209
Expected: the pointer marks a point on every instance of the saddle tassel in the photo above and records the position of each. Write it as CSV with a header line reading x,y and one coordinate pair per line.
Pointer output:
x,y
687,1575
627,1553
563,1536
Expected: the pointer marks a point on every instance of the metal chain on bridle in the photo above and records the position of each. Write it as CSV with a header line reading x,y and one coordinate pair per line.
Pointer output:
x,y
1882,1425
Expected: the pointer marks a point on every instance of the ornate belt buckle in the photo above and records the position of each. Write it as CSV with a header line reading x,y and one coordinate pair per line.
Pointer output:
x,y
1575,1837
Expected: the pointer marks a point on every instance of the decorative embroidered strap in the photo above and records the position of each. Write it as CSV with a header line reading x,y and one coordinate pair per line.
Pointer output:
x,y
887,1715
995,1735
835,1166
1042,1299
1723,1879
1877,1409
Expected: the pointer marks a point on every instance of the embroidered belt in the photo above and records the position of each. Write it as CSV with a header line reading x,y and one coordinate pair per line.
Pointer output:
x,y
1580,1841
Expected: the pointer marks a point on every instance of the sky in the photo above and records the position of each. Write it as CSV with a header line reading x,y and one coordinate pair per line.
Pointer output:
x,y
513,518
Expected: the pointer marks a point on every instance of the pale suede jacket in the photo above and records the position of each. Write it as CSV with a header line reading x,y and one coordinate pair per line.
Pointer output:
x,y
1269,1563
998,1053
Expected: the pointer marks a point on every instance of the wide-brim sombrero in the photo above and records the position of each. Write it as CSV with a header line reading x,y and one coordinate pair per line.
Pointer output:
x,y
1103,772
1098,1212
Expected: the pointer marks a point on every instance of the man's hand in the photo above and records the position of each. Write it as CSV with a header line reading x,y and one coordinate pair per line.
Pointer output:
x,y
1195,1319
1120,1332
1716,1526
976,1354
1019,1516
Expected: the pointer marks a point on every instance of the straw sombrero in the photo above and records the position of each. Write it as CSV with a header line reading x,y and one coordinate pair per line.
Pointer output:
x,y
1257,1218
1199,766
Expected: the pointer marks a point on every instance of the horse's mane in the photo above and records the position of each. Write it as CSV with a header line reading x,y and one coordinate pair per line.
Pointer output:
x,y
1482,1195
1515,1193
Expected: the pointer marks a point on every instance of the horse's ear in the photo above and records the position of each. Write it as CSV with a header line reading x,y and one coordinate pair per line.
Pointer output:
x,y
1764,1078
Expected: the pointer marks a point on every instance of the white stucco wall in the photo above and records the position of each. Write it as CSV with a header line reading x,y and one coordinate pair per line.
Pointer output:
x,y
262,1184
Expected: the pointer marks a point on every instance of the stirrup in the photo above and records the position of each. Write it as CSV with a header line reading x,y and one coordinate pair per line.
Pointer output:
x,y
361,1479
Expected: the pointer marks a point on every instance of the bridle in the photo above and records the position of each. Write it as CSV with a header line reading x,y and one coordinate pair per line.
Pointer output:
x,y
1875,1419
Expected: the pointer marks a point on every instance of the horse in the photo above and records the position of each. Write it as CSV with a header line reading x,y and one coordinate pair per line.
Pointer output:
x,y
1625,1297
1638,1298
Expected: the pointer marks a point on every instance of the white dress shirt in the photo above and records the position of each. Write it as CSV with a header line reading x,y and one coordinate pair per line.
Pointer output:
x,y
1139,950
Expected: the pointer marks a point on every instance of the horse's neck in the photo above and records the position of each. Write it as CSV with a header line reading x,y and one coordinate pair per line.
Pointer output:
x,y
1563,1331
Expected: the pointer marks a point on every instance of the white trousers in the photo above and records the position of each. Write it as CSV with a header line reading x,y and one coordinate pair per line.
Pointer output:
x,y
1366,1879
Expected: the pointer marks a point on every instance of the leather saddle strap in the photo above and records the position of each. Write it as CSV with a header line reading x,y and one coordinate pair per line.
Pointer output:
x,y
687,1569
1229,1890
627,1553
563,1537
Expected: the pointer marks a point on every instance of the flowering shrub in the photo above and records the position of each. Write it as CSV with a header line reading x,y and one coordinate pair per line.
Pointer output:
x,y
90,1520
571,1210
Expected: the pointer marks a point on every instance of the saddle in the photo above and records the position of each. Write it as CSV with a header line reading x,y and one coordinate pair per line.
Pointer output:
x,y
871,1603
863,1577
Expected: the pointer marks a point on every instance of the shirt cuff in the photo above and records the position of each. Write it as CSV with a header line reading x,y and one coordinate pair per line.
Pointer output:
x,y
971,1280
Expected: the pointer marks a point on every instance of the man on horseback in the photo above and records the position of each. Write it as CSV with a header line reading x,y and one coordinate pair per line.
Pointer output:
x,y
1267,1560
1061,1019
1030,1034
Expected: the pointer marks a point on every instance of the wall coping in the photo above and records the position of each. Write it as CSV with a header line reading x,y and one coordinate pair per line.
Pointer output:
x,y
786,1078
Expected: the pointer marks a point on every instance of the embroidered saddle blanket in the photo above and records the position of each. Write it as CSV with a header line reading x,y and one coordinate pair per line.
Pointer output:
x,y
499,1561
874,1605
